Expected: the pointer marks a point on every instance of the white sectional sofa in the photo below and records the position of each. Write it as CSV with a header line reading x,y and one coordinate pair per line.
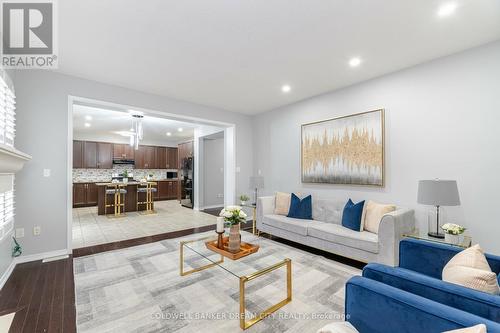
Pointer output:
x,y
325,230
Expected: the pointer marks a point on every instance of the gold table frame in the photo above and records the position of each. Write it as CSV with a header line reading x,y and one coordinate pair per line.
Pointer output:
x,y
244,324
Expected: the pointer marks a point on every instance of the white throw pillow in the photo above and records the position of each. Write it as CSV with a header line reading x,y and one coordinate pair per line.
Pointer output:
x,y
469,268
373,213
481,328
282,205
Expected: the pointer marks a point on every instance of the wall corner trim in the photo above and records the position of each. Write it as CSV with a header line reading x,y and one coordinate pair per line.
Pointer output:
x,y
5,276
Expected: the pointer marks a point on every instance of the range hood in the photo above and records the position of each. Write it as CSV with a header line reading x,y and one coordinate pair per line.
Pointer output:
x,y
123,161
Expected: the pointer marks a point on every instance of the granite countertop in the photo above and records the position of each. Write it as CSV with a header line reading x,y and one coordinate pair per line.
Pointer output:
x,y
130,182
125,184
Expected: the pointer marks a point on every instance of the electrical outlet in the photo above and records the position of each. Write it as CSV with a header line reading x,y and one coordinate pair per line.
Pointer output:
x,y
46,172
37,230
19,232
238,169
220,195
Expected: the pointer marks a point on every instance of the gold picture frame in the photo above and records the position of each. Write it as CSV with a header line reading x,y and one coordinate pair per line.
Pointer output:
x,y
354,152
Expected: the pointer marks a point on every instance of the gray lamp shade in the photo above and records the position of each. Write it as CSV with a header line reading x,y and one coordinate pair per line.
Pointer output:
x,y
438,192
256,182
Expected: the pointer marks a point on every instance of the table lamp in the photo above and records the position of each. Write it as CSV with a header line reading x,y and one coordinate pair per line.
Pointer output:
x,y
256,183
438,193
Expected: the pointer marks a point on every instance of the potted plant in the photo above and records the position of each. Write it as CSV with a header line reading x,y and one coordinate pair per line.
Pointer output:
x,y
233,216
452,233
125,176
244,199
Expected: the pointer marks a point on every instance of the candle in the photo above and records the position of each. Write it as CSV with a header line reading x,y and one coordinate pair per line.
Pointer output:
x,y
220,224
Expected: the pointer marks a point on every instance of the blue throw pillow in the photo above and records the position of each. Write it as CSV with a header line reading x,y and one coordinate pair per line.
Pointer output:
x,y
351,218
300,209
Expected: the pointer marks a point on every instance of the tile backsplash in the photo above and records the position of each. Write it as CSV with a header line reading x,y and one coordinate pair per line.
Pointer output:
x,y
104,175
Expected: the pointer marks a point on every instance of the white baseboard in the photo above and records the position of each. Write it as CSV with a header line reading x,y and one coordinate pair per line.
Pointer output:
x,y
8,271
45,257
41,256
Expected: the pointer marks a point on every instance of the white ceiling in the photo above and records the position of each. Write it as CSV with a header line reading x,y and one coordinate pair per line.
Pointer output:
x,y
236,54
106,125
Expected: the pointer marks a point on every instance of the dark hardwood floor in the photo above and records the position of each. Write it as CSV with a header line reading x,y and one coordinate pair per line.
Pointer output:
x,y
42,296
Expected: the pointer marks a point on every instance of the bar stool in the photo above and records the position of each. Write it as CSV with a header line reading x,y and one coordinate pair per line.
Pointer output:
x,y
118,191
149,189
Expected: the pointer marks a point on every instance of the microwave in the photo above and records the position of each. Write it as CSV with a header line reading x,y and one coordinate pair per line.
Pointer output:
x,y
171,174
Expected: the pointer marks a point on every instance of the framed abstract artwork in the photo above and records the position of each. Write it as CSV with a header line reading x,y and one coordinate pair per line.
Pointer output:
x,y
346,150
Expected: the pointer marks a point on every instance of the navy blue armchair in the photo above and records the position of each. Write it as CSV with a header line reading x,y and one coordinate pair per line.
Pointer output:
x,y
419,273
374,307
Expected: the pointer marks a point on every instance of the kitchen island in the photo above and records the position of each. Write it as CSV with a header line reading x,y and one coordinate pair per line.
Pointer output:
x,y
131,197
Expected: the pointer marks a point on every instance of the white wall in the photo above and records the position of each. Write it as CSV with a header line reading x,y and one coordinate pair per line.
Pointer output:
x,y
213,170
42,131
123,140
442,120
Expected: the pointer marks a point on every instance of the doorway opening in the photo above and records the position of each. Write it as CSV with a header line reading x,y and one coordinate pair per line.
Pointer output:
x,y
135,173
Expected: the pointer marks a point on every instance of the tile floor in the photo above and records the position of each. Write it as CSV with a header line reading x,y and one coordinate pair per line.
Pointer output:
x,y
92,229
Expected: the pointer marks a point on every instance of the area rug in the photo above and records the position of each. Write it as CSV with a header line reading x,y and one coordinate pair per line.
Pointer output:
x,y
139,289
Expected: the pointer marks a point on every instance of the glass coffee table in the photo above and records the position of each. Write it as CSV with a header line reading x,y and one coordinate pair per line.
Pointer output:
x,y
465,240
201,258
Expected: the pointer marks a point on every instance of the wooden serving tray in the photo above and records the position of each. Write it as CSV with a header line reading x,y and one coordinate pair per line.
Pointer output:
x,y
245,249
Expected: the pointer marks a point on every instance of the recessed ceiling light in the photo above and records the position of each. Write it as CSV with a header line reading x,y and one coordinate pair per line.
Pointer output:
x,y
354,62
169,134
89,118
87,124
286,88
131,129
180,129
447,9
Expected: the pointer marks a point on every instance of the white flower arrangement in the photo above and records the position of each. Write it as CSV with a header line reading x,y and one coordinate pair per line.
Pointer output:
x,y
453,229
233,215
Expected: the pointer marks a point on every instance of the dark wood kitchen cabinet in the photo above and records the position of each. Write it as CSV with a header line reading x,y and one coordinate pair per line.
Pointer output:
x,y
172,189
84,194
161,157
167,189
104,155
79,195
100,155
145,157
90,155
77,154
162,193
171,158
123,152
91,194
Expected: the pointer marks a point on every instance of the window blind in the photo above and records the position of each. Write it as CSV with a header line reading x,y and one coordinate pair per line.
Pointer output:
x,y
7,114
7,134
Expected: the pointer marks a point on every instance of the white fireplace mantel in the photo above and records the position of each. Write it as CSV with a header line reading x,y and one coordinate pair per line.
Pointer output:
x,y
11,159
